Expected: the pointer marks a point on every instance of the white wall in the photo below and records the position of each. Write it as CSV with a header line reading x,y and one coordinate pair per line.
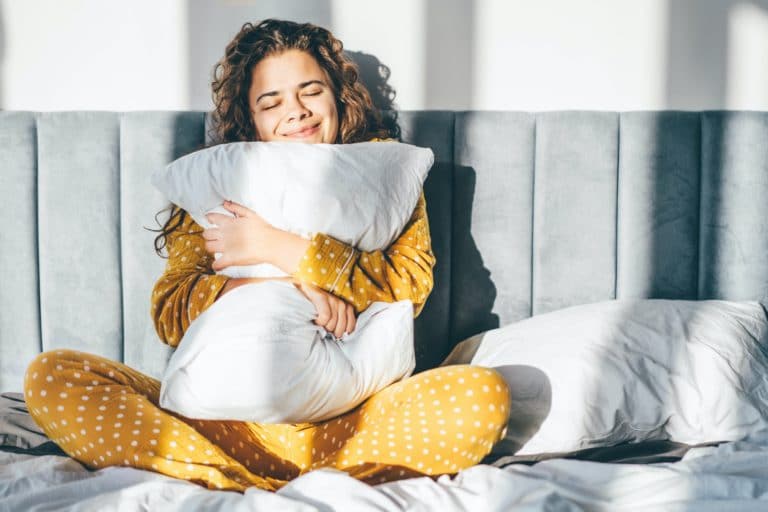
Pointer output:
x,y
442,54
93,54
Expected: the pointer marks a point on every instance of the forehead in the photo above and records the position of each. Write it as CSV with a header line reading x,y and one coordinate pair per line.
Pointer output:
x,y
285,70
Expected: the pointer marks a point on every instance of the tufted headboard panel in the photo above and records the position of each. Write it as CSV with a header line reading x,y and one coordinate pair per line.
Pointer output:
x,y
529,212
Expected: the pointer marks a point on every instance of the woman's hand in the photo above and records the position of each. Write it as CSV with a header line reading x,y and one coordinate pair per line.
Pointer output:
x,y
333,313
247,239
244,239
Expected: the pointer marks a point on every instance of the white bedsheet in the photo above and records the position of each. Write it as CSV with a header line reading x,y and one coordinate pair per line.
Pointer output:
x,y
732,476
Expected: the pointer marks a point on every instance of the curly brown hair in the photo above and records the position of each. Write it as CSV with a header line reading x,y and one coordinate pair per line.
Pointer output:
x,y
359,119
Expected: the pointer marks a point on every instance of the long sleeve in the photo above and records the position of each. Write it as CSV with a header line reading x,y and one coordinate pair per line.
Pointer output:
x,y
187,287
401,271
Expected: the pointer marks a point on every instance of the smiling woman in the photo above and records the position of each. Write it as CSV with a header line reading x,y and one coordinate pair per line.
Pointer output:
x,y
298,109
278,80
265,63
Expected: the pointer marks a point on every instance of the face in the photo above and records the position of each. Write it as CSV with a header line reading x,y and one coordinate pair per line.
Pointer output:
x,y
291,99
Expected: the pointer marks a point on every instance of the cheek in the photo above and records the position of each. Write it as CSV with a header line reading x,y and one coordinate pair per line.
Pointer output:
x,y
325,108
332,115
264,124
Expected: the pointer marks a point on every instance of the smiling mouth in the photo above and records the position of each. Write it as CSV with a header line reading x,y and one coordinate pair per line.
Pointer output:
x,y
306,132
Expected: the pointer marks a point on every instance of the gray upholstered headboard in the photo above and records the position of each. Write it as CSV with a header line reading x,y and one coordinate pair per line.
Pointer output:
x,y
529,212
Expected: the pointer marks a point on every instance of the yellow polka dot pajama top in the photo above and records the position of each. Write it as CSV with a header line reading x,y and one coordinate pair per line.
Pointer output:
x,y
104,413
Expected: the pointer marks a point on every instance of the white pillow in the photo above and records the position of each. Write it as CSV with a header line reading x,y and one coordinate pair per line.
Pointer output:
x,y
629,370
255,354
361,194
269,364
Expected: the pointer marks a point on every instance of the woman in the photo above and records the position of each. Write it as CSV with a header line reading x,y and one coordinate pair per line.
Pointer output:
x,y
278,80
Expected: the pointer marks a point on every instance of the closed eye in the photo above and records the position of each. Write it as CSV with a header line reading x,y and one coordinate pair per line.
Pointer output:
x,y
308,94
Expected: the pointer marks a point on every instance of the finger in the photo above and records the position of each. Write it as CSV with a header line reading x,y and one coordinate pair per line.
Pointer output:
x,y
330,325
341,324
351,320
237,209
220,263
212,234
323,312
218,219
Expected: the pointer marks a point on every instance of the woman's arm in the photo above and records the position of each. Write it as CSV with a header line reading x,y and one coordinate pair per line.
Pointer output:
x,y
188,286
402,271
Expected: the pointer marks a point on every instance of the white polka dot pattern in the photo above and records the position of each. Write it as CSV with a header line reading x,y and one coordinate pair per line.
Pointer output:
x,y
436,422
187,287
402,271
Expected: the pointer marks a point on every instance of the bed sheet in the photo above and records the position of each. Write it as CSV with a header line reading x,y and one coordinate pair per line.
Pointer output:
x,y
36,475
731,476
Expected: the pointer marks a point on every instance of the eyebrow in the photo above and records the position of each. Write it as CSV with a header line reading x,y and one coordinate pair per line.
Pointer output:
x,y
301,86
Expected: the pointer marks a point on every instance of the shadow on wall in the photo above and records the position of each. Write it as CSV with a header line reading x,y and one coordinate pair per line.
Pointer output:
x,y
471,281
449,54
697,51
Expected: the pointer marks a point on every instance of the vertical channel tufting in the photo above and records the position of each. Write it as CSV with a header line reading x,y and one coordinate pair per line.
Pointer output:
x,y
658,194
533,213
453,339
691,187
435,129
19,306
699,243
149,140
618,208
79,232
491,263
120,225
452,235
734,209
37,235
574,215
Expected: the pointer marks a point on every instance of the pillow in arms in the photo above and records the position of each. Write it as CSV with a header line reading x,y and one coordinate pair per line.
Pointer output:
x,y
255,354
361,194
629,371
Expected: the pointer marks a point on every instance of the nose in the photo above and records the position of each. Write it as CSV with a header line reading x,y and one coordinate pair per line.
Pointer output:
x,y
296,109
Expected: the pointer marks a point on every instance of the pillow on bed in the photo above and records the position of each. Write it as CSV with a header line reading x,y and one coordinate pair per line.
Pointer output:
x,y
256,354
629,370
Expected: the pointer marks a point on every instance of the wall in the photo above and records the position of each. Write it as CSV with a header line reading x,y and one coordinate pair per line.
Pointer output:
x,y
441,54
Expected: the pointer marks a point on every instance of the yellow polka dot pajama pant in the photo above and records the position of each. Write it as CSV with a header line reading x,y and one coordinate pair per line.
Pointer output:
x,y
104,413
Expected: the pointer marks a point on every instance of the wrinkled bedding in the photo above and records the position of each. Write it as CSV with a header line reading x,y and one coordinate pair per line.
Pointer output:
x,y
732,476
35,475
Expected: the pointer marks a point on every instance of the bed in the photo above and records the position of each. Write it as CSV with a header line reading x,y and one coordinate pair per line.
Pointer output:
x,y
530,213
